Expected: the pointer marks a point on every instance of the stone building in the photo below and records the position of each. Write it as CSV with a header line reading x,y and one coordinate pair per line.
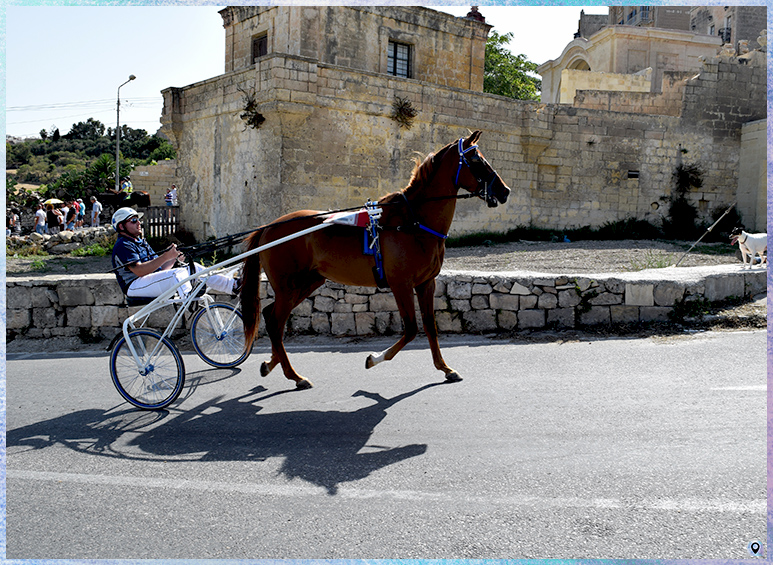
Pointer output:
x,y
634,39
625,58
737,25
663,17
305,117
590,24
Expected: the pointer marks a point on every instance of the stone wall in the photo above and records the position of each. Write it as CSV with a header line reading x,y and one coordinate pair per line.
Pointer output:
x,y
465,302
63,242
574,80
753,176
666,103
328,142
155,179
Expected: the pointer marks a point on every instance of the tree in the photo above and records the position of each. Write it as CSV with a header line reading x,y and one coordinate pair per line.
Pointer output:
x,y
90,129
680,223
507,74
17,154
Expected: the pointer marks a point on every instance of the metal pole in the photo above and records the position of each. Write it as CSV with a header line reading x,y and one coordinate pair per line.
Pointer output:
x,y
118,133
705,233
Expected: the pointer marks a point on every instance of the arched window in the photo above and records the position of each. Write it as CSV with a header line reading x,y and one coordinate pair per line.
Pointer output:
x,y
579,65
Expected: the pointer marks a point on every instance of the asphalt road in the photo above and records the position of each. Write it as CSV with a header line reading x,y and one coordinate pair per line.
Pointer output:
x,y
617,448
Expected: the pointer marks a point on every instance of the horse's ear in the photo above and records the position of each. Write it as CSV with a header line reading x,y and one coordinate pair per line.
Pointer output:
x,y
473,139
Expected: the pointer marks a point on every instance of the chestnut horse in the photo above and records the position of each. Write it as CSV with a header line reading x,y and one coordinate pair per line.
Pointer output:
x,y
413,227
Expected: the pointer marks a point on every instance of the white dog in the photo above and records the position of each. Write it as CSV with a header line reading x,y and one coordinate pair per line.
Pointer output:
x,y
751,245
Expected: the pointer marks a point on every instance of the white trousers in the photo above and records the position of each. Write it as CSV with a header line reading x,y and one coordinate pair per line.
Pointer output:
x,y
155,284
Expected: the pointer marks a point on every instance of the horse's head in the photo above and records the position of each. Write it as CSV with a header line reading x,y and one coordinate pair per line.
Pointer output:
x,y
476,175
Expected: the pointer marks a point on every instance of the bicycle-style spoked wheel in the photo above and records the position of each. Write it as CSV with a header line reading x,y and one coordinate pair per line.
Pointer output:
x,y
159,377
217,333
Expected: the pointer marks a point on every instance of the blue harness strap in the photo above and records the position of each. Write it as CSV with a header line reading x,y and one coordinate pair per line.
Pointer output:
x,y
433,232
462,158
372,246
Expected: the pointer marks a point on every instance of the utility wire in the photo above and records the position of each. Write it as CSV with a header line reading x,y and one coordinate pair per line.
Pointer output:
x,y
149,100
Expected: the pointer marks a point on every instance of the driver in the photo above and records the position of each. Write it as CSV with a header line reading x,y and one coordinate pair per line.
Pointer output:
x,y
124,189
142,273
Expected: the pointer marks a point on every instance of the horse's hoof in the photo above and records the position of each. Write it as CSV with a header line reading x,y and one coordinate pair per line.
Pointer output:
x,y
369,362
264,369
453,377
303,384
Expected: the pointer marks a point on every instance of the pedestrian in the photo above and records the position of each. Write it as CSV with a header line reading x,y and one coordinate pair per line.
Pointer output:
x,y
52,219
12,223
173,192
96,210
142,273
72,215
61,212
40,220
81,213
168,197
15,222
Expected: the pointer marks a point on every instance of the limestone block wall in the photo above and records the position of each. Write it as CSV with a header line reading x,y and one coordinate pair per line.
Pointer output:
x,y
665,103
573,80
714,100
92,305
328,142
155,179
753,173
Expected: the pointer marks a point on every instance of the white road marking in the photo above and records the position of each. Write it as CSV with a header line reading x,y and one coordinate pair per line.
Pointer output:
x,y
344,492
761,388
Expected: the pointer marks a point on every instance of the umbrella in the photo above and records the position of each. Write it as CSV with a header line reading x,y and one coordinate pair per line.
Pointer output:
x,y
53,201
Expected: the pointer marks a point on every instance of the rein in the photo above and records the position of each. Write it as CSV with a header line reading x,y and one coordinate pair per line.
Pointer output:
x,y
483,192
198,249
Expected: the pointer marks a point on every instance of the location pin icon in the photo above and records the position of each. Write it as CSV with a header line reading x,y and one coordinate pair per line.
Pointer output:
x,y
754,548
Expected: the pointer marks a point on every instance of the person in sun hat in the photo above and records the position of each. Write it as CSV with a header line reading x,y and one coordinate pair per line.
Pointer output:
x,y
143,273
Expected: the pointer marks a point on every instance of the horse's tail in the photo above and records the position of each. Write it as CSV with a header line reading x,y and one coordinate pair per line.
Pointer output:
x,y
250,291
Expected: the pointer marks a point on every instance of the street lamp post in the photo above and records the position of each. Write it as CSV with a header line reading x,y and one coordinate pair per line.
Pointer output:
x,y
118,134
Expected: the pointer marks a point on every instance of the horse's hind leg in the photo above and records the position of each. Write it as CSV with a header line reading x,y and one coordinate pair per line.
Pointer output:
x,y
276,316
426,295
267,366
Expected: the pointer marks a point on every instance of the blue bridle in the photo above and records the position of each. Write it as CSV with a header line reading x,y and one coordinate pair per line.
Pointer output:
x,y
484,190
463,159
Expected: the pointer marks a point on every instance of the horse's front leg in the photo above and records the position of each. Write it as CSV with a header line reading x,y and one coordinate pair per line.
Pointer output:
x,y
426,295
404,299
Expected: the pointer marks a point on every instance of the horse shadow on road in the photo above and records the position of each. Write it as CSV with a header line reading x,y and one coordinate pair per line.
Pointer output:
x,y
322,447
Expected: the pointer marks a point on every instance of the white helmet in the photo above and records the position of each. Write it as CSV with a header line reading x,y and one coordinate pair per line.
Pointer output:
x,y
123,214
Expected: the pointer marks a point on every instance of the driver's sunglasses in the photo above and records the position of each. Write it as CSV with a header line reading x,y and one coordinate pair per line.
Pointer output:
x,y
134,220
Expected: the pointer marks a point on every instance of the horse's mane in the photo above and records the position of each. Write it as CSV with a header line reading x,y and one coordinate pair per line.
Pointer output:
x,y
423,171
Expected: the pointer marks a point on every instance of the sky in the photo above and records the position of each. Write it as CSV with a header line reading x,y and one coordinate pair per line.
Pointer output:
x,y
89,51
